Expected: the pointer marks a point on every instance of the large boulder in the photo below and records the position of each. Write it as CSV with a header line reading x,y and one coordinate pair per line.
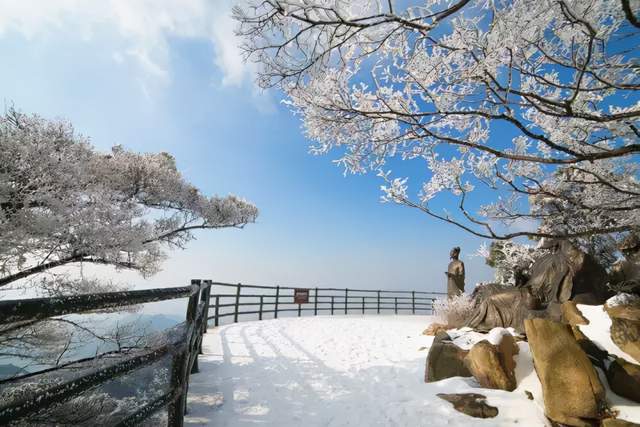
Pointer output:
x,y
472,404
445,360
572,315
572,392
434,328
624,379
493,366
625,326
613,422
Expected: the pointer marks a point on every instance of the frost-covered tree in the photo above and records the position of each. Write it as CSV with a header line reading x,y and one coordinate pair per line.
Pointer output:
x,y
63,202
537,100
511,260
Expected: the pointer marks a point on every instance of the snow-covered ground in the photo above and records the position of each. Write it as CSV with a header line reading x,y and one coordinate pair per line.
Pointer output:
x,y
338,371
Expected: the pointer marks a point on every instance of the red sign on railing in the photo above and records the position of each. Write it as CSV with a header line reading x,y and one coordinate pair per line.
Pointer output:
x,y
300,296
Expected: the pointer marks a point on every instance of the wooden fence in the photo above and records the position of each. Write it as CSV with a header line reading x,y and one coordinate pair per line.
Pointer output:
x,y
185,343
182,347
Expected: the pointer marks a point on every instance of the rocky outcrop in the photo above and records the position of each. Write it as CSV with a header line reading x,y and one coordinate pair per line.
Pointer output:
x,y
472,404
571,314
493,366
572,392
612,422
624,379
434,328
445,360
629,310
625,327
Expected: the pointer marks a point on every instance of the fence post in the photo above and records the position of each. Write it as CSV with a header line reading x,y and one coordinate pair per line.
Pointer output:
x,y
413,302
277,301
346,299
206,297
217,312
205,293
332,304
378,302
260,313
235,314
315,304
396,304
176,409
362,305
192,313
192,307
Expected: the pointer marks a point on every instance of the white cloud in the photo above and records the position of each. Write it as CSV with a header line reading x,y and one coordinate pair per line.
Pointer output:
x,y
143,28
229,56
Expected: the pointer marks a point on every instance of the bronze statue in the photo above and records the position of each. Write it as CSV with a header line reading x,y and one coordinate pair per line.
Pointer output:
x,y
565,273
455,274
501,306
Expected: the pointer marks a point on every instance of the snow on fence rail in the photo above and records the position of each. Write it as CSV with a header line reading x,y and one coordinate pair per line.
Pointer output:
x,y
182,345
280,299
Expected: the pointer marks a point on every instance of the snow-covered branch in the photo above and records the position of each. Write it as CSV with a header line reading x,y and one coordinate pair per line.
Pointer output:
x,y
63,202
537,101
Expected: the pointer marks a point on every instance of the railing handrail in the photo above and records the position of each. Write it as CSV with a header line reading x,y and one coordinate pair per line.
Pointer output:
x,y
182,349
42,308
331,300
327,289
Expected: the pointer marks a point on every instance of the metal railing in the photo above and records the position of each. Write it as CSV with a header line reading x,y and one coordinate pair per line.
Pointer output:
x,y
183,348
281,299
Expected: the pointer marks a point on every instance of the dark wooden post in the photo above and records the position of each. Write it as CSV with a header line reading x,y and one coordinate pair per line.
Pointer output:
x,y
277,301
332,304
235,314
260,313
192,312
192,307
299,310
177,408
346,299
315,304
413,302
204,291
396,304
362,305
378,302
217,312
206,298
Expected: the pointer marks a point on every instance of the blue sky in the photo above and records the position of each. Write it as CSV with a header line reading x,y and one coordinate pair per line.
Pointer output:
x,y
166,76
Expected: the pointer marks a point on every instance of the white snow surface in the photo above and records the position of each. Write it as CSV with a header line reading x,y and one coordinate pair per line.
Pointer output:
x,y
599,330
339,371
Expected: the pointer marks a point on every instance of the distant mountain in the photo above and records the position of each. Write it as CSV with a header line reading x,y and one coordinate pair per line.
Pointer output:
x,y
100,323
155,322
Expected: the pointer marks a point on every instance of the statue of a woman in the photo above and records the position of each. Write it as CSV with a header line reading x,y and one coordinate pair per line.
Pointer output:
x,y
455,274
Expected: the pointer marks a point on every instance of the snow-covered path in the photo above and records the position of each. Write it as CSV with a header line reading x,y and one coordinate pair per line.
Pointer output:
x,y
333,371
